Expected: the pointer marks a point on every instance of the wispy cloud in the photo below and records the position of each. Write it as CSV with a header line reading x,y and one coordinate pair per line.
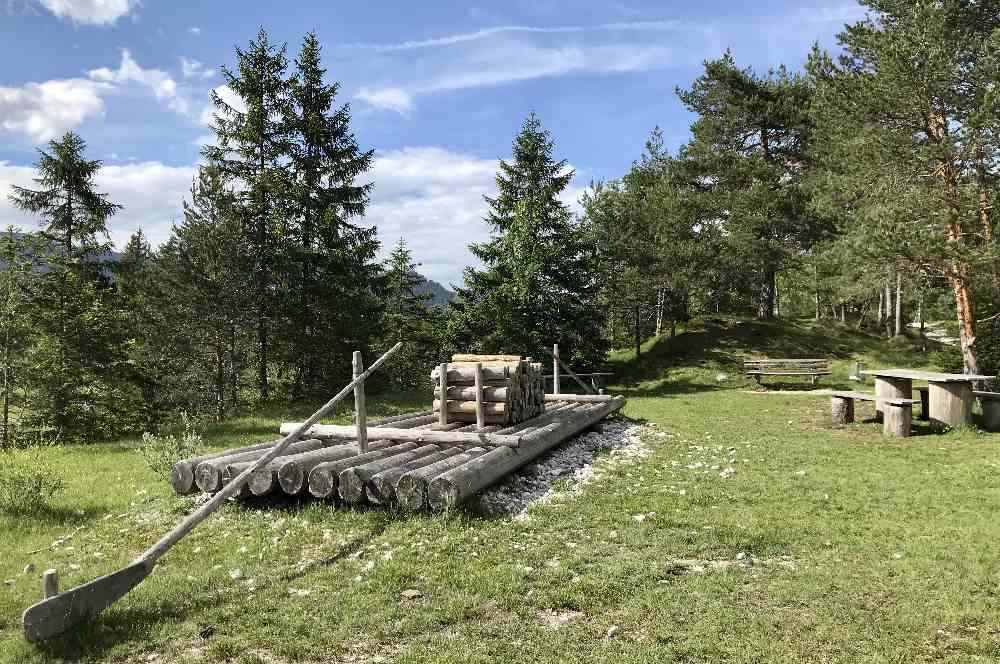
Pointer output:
x,y
450,40
387,99
42,111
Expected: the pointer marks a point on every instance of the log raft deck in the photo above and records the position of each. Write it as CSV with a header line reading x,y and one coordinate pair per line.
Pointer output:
x,y
497,419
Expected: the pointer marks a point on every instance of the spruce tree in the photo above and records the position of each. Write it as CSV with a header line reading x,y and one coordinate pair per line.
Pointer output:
x,y
538,282
408,319
250,148
19,255
77,356
331,277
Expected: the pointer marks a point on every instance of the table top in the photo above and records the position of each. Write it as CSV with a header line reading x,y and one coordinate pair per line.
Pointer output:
x,y
930,376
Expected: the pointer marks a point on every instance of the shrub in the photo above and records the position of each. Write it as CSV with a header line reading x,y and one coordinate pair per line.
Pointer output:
x,y
27,483
988,348
161,452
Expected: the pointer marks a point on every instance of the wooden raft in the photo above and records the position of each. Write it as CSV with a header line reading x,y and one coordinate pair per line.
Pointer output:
x,y
411,460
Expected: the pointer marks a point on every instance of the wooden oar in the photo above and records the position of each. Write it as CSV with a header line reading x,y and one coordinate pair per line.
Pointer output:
x,y
54,615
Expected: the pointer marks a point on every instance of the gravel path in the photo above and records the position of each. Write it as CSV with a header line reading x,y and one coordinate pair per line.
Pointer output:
x,y
579,460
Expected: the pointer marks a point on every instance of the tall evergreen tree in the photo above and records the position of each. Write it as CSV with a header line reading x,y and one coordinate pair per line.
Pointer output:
x,y
332,279
250,147
909,141
748,147
538,283
407,318
19,256
77,355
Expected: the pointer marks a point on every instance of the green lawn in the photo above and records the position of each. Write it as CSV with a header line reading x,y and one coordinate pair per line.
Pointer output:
x,y
826,545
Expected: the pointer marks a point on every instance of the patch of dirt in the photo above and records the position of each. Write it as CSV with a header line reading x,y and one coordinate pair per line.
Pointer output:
x,y
555,619
688,566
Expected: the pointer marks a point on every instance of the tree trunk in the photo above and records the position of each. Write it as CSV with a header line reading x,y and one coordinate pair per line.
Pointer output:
x,y
966,319
817,306
659,310
899,304
262,386
234,371
220,382
888,309
920,313
638,333
765,306
5,430
878,318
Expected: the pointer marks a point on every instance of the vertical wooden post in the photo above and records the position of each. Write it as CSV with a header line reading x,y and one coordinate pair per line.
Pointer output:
x,y
443,393
50,583
480,411
360,412
555,368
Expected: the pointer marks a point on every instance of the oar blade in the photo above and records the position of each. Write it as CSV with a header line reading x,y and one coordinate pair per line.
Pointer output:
x,y
54,615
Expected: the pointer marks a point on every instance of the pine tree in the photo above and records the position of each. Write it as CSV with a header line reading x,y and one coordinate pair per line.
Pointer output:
x,y
908,142
77,356
538,283
332,279
408,319
250,148
748,147
19,253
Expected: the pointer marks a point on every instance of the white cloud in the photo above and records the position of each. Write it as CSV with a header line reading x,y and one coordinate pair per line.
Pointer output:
x,y
95,12
163,85
450,40
42,111
194,30
151,192
514,61
227,95
387,99
433,198
195,69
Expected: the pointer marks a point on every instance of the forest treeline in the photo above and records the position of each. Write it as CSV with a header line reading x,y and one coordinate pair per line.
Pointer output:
x,y
860,189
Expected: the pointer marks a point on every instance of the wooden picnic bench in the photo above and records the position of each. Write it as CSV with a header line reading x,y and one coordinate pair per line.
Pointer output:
x,y
757,369
990,401
897,412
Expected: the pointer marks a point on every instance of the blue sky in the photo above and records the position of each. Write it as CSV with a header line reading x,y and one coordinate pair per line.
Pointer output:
x,y
438,89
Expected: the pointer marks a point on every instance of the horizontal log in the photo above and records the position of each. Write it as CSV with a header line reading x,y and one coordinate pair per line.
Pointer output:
x,y
462,393
466,357
454,486
411,487
353,481
291,473
346,432
467,373
208,474
470,418
491,408
182,472
382,485
580,398
324,477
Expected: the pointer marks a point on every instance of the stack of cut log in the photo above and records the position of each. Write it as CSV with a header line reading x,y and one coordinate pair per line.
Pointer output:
x,y
412,460
513,389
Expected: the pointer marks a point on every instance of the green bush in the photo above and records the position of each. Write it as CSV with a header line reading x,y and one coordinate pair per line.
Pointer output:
x,y
27,483
162,452
988,349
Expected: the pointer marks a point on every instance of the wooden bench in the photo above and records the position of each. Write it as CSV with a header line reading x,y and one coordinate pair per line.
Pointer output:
x,y
925,403
990,401
897,413
757,369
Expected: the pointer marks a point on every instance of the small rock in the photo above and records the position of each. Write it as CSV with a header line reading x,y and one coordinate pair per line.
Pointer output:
x,y
728,472
9,582
611,632
741,555
412,593
236,574
242,549
800,473
28,569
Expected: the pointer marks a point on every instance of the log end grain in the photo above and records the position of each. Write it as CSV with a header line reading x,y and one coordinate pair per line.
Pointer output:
x,y
263,481
182,478
208,477
322,482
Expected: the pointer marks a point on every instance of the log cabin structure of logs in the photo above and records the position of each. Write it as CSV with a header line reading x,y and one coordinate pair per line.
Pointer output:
x,y
489,416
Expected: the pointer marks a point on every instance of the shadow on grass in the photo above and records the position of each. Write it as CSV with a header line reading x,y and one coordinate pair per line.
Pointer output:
x,y
135,624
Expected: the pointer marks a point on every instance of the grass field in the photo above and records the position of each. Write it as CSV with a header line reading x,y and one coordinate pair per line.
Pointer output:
x,y
826,545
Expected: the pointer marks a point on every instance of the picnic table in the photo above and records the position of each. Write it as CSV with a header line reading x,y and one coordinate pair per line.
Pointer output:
x,y
949,395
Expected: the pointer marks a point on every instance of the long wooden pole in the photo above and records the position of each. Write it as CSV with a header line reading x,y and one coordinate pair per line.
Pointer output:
x,y
360,411
55,615
443,393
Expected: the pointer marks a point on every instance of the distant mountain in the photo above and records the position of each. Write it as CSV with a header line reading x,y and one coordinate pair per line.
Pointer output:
x,y
440,295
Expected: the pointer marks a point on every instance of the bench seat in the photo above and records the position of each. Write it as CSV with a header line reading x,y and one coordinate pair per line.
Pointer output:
x,y
765,372
897,413
990,401
757,369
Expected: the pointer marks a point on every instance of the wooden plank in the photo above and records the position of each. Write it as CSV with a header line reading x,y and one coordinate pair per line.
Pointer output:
x,y
340,431
443,393
930,376
578,398
467,357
